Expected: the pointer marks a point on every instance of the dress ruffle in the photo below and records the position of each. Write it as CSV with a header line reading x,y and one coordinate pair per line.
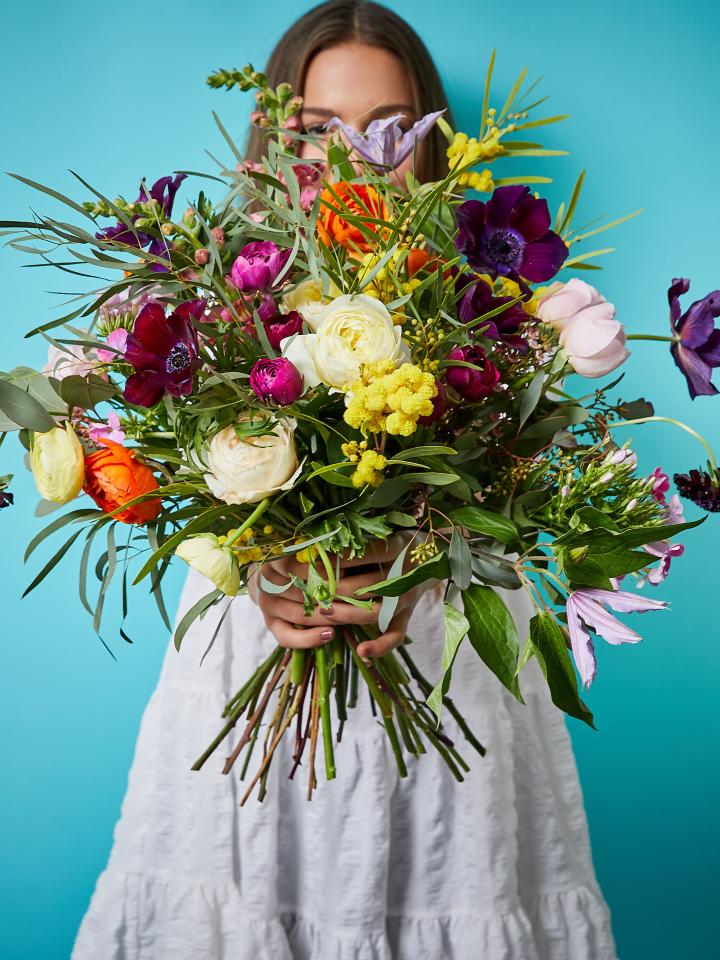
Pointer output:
x,y
375,867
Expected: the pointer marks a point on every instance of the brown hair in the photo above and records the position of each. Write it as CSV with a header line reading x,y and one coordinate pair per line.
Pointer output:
x,y
347,21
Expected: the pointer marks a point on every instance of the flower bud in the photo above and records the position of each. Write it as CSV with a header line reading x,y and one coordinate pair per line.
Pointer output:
x,y
189,217
473,385
202,256
167,228
277,380
257,265
58,464
216,562
218,235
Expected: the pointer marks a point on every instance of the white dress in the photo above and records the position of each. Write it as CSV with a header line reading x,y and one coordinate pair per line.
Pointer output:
x,y
373,868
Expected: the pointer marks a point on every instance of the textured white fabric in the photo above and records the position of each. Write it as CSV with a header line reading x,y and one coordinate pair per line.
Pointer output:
x,y
374,867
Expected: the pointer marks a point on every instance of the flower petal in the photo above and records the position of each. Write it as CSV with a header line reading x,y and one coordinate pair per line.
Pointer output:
x,y
531,218
501,204
603,623
542,259
696,371
623,601
678,287
581,643
146,388
151,336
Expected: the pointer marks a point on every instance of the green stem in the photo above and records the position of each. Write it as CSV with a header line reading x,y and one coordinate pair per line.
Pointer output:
x,y
257,512
395,744
321,666
323,554
297,666
677,423
648,336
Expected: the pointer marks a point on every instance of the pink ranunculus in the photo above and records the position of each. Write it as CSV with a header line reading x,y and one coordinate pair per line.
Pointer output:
x,y
109,431
257,265
589,333
70,360
276,380
116,340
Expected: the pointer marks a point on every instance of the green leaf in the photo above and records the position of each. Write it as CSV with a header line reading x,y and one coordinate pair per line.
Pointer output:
x,y
438,569
52,562
554,658
399,519
595,569
431,478
460,560
71,517
23,409
493,634
456,628
428,450
531,395
86,392
484,521
389,604
195,611
201,522
569,415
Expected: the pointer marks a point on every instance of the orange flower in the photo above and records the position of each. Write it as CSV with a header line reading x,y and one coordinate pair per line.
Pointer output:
x,y
114,476
357,198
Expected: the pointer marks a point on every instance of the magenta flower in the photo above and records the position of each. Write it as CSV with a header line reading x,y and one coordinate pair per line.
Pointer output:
x,y
585,609
265,306
384,144
510,235
696,347
116,341
472,383
276,380
661,484
479,299
281,326
257,265
164,352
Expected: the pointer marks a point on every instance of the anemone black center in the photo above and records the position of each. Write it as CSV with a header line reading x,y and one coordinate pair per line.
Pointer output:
x,y
503,246
178,358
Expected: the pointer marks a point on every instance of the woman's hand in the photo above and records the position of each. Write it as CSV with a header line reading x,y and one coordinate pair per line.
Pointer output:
x,y
285,616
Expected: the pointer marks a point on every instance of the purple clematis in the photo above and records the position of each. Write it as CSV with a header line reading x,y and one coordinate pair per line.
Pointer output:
x,y
479,299
510,235
164,352
585,609
163,190
696,344
384,144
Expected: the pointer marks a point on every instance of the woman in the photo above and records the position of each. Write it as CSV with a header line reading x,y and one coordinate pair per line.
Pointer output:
x,y
375,867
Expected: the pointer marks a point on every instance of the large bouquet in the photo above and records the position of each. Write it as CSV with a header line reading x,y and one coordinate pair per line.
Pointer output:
x,y
328,357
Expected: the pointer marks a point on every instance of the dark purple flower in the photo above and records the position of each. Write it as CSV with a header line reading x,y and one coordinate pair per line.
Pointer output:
x,y
700,487
163,190
510,235
479,299
384,144
6,498
164,352
283,325
257,265
265,306
276,380
440,405
696,347
472,384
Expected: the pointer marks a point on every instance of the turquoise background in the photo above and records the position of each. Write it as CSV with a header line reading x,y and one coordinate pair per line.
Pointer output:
x,y
119,92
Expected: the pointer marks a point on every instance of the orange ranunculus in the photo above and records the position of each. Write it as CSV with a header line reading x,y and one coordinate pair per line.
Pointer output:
x,y
357,198
114,476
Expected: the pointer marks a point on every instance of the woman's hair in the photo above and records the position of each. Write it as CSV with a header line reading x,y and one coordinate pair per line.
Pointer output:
x,y
356,21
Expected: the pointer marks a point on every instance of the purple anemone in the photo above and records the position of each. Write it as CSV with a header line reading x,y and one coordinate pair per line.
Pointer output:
x,y
164,352
510,235
478,300
696,346
163,191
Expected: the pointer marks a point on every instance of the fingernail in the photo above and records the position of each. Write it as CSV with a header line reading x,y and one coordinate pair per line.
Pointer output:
x,y
327,611
327,634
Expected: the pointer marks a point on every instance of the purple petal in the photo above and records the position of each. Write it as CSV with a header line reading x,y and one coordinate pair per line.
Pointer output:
x,y
678,287
709,353
696,325
501,204
696,371
146,388
542,259
581,643
622,601
151,339
603,623
417,132
531,218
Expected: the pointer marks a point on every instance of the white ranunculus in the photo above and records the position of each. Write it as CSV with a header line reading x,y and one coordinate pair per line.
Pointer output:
x,y
308,300
214,561
588,331
352,330
58,464
247,470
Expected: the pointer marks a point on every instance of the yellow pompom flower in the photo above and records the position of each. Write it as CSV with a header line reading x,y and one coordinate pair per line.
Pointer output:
x,y
369,469
391,401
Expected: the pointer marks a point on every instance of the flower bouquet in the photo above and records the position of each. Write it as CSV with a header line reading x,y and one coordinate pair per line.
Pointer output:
x,y
327,357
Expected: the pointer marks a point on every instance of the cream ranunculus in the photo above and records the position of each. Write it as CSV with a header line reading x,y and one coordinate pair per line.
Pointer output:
x,y
247,470
352,330
588,331
214,561
58,464
308,300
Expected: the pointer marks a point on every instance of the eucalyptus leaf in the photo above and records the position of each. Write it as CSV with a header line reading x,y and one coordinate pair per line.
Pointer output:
x,y
484,521
493,634
456,628
23,409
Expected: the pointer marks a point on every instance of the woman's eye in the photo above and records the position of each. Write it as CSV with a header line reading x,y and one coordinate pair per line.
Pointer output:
x,y
315,129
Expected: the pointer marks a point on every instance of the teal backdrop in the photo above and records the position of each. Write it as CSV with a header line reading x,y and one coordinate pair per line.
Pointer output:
x,y
118,92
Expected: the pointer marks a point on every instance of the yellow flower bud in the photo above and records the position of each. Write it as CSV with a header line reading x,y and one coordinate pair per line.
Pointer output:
x,y
58,464
206,555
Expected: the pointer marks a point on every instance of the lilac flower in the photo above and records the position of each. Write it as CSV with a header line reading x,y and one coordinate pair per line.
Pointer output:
x,y
663,548
585,609
257,265
510,235
164,352
163,190
479,299
384,144
276,380
696,346
109,431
